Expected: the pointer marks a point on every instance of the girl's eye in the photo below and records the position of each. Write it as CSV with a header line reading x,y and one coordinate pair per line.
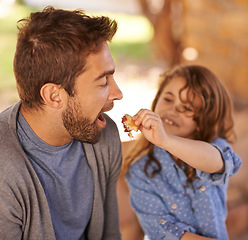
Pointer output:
x,y
167,100
188,109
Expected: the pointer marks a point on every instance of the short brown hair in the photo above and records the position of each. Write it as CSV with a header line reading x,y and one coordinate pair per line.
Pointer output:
x,y
52,46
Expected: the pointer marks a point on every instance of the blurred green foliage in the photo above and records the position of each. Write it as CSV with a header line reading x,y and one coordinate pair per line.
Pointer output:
x,y
131,52
8,31
131,43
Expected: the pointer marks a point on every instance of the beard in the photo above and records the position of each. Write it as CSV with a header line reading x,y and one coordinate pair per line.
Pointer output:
x,y
78,126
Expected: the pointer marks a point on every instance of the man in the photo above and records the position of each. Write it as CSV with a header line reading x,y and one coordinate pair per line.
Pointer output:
x,y
60,154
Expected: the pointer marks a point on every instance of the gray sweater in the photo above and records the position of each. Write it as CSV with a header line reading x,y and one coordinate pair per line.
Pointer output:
x,y
24,211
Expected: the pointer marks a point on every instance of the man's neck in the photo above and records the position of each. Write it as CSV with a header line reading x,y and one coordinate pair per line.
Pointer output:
x,y
47,125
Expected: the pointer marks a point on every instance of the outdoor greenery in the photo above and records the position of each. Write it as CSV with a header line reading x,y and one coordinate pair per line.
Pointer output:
x,y
131,42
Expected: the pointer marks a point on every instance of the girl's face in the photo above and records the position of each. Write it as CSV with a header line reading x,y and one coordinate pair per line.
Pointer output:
x,y
176,114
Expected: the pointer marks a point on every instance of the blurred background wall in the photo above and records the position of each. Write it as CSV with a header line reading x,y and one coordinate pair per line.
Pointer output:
x,y
154,35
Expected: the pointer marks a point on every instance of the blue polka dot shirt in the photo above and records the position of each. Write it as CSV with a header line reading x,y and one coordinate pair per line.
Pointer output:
x,y
166,208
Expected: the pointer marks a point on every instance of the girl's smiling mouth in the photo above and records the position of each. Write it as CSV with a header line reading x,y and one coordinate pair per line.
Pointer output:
x,y
170,122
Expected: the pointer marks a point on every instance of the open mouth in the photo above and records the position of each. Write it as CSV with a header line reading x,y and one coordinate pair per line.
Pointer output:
x,y
101,120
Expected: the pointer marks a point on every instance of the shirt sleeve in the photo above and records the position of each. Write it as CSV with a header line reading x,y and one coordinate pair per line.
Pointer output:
x,y
156,221
231,160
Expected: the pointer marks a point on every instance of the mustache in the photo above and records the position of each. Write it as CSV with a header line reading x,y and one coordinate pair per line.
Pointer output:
x,y
107,107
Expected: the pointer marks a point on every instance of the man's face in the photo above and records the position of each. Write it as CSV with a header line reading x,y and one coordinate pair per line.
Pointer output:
x,y
95,92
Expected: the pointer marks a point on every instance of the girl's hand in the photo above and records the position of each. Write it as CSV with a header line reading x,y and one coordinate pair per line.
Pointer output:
x,y
188,150
151,126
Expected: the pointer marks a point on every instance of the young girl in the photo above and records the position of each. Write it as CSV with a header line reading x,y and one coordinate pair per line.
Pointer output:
x,y
179,180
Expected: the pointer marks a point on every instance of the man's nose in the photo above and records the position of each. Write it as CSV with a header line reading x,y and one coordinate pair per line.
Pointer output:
x,y
114,92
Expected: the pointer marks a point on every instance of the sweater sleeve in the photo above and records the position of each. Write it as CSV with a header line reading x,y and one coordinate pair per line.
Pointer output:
x,y
10,214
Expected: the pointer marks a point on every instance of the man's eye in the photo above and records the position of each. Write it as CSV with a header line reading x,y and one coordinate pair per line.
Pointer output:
x,y
105,84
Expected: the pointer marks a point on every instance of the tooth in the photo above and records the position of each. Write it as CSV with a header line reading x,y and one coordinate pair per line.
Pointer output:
x,y
168,121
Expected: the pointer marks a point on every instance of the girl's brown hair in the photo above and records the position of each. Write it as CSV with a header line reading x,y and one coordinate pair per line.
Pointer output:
x,y
213,116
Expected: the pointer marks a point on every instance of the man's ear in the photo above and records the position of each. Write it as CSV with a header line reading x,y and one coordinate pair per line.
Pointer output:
x,y
52,95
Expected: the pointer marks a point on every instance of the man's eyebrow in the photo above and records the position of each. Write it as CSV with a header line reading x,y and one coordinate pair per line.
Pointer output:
x,y
111,72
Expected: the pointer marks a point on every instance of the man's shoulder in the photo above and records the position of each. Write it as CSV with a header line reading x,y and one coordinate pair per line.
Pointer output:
x,y
4,122
8,119
8,136
8,113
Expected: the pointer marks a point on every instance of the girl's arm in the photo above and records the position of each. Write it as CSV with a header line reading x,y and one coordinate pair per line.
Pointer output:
x,y
198,154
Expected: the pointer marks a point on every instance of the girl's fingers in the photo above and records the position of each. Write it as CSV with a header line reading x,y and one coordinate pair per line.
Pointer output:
x,y
149,121
143,115
150,125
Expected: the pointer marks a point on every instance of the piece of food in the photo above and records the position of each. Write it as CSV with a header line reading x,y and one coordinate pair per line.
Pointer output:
x,y
129,125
